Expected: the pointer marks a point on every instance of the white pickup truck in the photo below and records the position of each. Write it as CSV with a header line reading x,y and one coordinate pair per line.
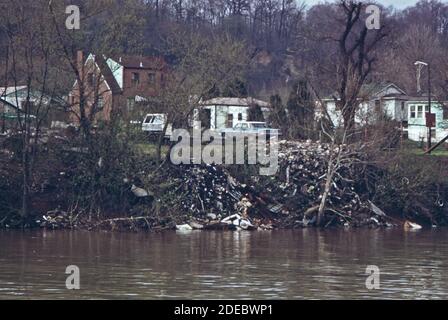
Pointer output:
x,y
251,127
153,124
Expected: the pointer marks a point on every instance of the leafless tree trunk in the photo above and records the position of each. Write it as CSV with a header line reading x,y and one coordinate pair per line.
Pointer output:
x,y
356,51
28,47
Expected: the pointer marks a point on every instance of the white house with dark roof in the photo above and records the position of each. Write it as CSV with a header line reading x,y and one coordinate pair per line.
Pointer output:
x,y
13,99
225,112
383,98
16,95
388,99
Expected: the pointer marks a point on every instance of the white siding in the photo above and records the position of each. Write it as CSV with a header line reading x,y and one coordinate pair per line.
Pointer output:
x,y
117,71
218,115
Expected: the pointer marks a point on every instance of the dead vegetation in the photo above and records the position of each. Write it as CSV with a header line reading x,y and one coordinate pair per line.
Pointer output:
x,y
72,189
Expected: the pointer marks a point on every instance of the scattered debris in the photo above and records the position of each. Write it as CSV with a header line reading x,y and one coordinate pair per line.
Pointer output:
x,y
139,192
289,199
219,226
100,162
195,225
238,221
184,227
212,216
56,219
216,197
377,210
411,226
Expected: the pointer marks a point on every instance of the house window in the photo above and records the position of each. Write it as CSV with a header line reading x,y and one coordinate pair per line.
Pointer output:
x,y
151,79
135,78
412,112
100,102
130,104
240,116
230,120
377,106
420,112
445,112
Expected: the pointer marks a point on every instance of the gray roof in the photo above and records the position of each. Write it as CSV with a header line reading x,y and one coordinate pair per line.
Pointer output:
x,y
373,89
229,101
5,91
7,103
378,87
108,75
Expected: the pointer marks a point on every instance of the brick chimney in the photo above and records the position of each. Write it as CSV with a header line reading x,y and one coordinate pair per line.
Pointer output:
x,y
80,63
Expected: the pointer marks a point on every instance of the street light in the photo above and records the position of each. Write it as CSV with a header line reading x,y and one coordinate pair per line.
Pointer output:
x,y
421,64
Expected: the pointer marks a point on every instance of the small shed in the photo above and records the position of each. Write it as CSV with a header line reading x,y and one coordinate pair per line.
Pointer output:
x,y
225,112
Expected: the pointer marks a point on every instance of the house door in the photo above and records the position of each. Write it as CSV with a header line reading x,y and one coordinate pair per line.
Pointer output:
x,y
205,118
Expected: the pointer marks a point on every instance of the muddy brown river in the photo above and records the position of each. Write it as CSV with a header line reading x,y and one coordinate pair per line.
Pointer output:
x,y
302,264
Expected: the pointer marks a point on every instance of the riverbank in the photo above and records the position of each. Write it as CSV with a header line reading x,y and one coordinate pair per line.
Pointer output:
x,y
124,189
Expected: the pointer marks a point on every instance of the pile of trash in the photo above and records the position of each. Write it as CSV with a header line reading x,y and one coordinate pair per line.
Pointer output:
x,y
300,184
289,199
56,219
234,222
209,189
213,199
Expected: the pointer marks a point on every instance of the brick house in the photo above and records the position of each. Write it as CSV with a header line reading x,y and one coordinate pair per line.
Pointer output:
x,y
115,84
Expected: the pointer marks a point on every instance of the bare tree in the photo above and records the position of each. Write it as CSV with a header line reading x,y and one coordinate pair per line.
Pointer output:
x,y
356,59
30,46
201,63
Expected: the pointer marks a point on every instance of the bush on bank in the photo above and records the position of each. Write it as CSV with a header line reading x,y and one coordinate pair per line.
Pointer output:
x,y
90,183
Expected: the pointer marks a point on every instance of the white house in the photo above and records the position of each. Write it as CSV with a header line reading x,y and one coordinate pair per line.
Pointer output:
x,y
417,108
15,95
383,98
14,98
388,99
225,112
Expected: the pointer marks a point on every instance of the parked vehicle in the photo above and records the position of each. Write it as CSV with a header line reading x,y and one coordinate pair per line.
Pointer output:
x,y
251,127
154,123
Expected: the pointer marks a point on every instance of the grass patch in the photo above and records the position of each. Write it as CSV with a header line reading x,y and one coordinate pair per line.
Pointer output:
x,y
414,148
151,149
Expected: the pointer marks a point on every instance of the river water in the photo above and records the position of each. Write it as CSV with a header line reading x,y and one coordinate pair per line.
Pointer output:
x,y
302,264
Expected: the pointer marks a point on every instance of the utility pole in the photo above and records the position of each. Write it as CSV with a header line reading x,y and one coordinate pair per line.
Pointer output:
x,y
428,115
429,109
